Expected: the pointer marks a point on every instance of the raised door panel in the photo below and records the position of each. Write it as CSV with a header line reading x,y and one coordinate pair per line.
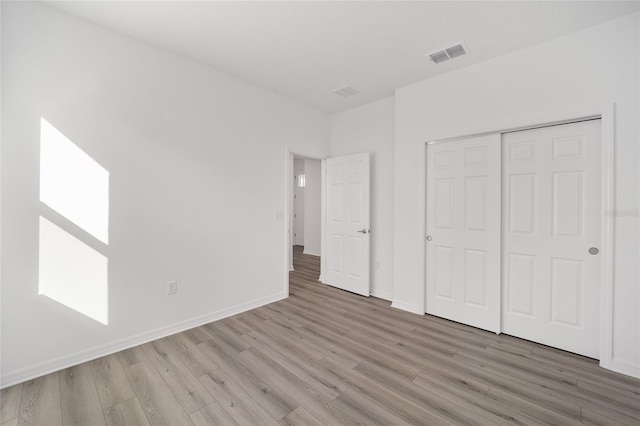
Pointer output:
x,y
568,203
443,271
520,290
475,277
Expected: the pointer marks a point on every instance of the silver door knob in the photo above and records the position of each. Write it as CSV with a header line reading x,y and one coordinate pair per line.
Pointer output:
x,y
429,238
363,231
594,250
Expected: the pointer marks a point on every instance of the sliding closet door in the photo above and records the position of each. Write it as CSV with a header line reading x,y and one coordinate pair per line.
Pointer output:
x,y
552,229
463,227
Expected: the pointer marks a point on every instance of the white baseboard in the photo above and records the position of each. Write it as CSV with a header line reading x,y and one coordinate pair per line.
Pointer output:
x,y
381,294
11,378
409,307
311,252
625,367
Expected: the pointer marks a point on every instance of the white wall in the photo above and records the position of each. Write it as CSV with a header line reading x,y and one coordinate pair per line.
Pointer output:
x,y
298,164
312,198
596,66
172,134
370,128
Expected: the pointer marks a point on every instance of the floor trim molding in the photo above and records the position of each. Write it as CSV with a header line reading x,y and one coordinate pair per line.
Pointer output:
x,y
18,376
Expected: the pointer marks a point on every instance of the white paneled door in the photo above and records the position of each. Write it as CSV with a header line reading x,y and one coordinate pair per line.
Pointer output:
x,y
347,233
463,227
551,235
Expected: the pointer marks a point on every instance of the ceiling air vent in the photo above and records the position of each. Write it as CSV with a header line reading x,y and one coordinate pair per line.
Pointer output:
x,y
448,53
438,57
455,51
345,91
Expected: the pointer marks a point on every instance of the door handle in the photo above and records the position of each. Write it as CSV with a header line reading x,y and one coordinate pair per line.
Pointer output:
x,y
429,238
363,231
594,250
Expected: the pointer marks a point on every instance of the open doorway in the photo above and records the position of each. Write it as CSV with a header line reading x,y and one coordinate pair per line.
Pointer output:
x,y
305,220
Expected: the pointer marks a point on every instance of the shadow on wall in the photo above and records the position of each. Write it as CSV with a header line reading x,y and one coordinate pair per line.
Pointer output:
x,y
74,226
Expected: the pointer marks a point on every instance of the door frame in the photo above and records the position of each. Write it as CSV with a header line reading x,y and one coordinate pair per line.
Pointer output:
x,y
288,216
607,115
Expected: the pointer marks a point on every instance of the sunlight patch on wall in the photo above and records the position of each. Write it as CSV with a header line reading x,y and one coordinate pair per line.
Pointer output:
x,y
73,267
72,273
73,184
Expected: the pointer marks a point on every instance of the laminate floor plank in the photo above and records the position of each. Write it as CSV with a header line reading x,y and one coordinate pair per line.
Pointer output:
x,y
111,382
362,410
196,335
300,392
559,385
467,395
522,362
186,388
236,326
453,382
503,346
40,402
295,346
308,372
400,407
301,336
330,357
264,394
238,404
452,409
538,413
610,401
326,321
407,359
568,405
582,368
190,355
299,417
453,339
319,342
380,359
156,399
219,331
328,304
516,387
126,413
132,356
610,394
10,403
212,414
602,417
79,397
319,328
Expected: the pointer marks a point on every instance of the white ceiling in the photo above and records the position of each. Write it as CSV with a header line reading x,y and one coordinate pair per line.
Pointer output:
x,y
304,50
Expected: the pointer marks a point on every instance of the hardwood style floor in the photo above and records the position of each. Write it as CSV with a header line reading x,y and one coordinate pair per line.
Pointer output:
x,y
328,357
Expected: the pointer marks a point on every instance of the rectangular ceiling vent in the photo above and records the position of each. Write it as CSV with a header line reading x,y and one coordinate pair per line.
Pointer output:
x,y
448,53
345,91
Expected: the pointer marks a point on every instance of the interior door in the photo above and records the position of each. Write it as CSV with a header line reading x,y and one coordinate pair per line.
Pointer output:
x,y
298,208
347,233
463,227
552,209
